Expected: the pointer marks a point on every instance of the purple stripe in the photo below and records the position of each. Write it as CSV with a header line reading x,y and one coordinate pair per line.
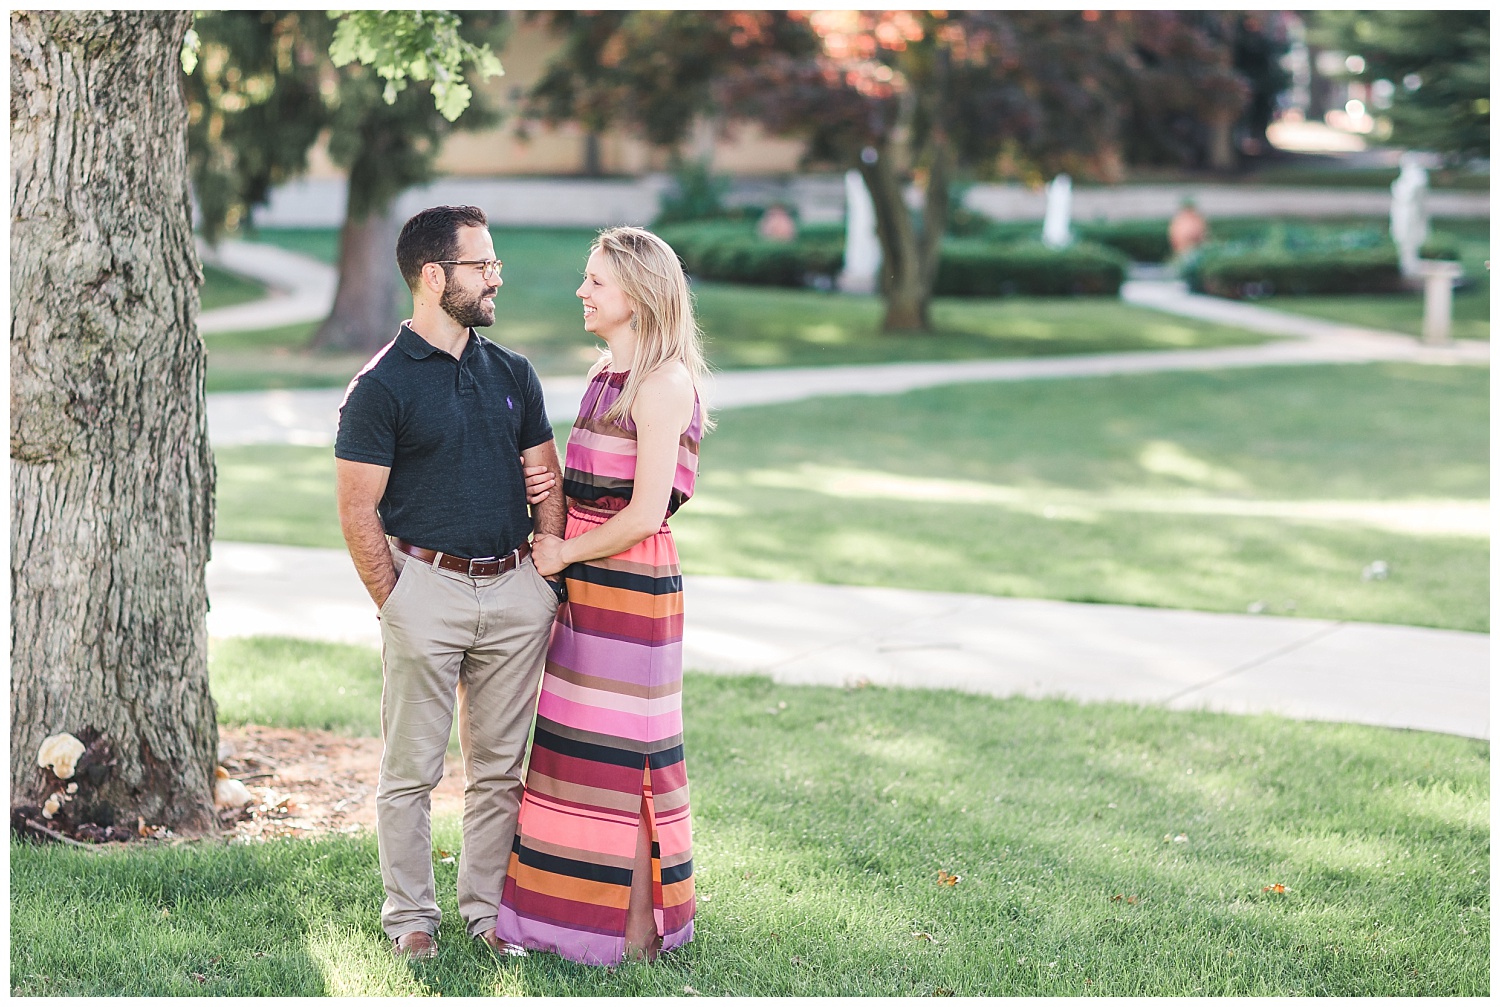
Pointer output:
x,y
618,660
575,944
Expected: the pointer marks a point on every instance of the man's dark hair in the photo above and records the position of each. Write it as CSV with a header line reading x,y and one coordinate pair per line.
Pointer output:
x,y
432,236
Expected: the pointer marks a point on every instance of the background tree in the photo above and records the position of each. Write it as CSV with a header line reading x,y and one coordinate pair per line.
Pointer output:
x,y
268,83
907,97
111,475
255,107
1199,84
1439,63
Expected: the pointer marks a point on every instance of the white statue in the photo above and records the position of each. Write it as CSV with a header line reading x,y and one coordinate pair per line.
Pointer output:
x,y
1055,231
861,243
1409,213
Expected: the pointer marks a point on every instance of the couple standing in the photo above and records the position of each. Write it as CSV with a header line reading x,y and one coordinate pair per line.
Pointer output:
x,y
443,441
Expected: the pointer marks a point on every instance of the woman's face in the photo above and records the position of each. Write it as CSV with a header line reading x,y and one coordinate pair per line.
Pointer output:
x,y
606,310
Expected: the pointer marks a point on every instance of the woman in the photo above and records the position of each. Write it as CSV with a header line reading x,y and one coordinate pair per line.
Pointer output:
x,y
602,863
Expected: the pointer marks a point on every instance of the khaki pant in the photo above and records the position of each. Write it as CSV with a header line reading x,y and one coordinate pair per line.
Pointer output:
x,y
481,641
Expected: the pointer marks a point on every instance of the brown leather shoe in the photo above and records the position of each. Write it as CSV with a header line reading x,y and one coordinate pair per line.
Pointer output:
x,y
417,944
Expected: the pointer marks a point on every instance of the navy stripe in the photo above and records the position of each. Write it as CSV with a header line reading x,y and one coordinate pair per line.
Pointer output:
x,y
585,750
640,583
672,875
597,487
575,868
669,757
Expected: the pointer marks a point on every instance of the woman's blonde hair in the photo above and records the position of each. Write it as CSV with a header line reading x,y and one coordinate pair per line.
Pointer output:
x,y
650,275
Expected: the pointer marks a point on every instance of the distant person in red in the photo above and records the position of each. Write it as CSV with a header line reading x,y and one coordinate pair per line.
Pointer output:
x,y
777,225
1188,229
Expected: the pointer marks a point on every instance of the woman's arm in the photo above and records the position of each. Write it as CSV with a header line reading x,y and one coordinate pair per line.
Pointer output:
x,y
662,411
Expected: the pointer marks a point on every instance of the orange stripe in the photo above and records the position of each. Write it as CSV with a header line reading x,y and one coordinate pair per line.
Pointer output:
x,y
560,886
676,893
620,599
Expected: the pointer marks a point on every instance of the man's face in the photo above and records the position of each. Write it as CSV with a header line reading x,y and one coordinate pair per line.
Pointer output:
x,y
469,297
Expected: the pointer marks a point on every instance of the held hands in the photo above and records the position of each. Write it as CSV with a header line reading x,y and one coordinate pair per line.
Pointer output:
x,y
539,482
546,554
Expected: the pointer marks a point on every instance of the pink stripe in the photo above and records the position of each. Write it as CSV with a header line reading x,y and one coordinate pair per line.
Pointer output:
x,y
599,463
600,699
607,443
675,837
561,829
587,718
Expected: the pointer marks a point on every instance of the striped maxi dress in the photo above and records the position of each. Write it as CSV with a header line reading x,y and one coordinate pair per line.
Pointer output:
x,y
609,720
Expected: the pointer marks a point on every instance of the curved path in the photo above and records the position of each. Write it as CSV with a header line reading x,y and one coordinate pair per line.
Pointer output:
x,y
1395,676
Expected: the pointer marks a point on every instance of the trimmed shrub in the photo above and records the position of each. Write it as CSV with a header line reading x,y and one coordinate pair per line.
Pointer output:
x,y
1237,271
734,253
979,269
1137,240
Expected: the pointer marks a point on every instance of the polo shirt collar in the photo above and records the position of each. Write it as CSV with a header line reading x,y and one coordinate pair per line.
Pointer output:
x,y
417,348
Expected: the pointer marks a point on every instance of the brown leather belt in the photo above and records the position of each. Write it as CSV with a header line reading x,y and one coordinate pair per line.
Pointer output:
x,y
485,566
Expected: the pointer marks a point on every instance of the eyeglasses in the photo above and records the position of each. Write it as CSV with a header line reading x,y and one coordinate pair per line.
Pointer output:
x,y
487,266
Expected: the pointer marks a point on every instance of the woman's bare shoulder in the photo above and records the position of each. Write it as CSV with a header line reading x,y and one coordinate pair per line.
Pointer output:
x,y
671,379
666,396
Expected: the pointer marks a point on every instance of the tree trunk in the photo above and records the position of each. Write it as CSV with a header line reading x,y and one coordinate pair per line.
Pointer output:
x,y
371,294
909,258
111,475
901,277
1221,155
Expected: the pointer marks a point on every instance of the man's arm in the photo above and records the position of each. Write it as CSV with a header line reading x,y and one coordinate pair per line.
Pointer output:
x,y
360,486
549,517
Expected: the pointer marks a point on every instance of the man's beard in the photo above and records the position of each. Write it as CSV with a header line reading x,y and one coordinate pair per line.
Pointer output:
x,y
466,310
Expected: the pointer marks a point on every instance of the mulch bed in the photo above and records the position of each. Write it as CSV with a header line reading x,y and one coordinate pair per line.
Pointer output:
x,y
305,784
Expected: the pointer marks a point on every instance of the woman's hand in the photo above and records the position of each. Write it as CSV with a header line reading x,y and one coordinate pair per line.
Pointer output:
x,y
539,483
546,555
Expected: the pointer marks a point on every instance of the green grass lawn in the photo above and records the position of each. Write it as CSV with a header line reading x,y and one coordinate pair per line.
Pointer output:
x,y
539,315
1403,312
223,289
1102,849
1209,491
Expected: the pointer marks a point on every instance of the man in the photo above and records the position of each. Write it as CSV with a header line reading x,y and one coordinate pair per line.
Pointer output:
x,y
433,432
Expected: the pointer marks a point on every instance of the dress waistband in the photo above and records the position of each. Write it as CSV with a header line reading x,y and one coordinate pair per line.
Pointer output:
x,y
598,515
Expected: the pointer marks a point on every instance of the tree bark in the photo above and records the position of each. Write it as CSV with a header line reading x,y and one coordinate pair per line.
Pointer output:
x,y
111,474
371,295
900,275
909,257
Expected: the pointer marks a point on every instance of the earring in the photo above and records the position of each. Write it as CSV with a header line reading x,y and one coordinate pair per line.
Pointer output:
x,y
631,323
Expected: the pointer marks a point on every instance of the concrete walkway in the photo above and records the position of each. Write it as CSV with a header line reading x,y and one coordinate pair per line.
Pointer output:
x,y
309,417
815,634
1393,676
301,287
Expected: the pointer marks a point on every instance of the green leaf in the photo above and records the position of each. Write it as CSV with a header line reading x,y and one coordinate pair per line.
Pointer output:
x,y
421,45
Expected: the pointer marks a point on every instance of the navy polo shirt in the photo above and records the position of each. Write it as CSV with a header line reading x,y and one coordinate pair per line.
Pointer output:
x,y
451,431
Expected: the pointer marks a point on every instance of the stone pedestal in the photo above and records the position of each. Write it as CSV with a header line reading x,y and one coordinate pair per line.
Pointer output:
x,y
1437,299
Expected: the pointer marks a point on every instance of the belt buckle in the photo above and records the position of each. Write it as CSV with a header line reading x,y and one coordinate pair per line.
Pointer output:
x,y
479,559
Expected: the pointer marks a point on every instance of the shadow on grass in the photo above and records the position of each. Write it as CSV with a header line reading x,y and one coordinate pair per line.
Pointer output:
x,y
822,818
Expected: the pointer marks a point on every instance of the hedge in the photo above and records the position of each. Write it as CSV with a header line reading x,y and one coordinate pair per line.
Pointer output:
x,y
1237,271
734,253
970,268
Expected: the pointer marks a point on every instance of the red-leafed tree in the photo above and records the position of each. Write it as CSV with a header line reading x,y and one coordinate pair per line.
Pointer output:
x,y
903,96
